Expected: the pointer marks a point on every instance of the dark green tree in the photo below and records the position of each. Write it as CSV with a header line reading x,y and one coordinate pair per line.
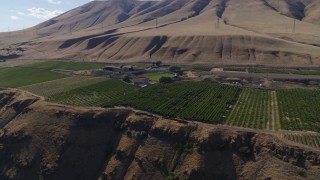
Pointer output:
x,y
176,69
126,78
165,80
158,63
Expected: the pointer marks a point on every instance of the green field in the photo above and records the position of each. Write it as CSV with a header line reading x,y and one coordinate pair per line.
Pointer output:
x,y
65,65
50,88
22,76
201,68
200,101
98,94
284,71
190,100
38,72
299,109
253,110
273,71
235,69
208,102
291,109
294,109
155,76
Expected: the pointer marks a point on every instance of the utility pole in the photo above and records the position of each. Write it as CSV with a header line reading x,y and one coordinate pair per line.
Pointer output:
x,y
286,28
294,26
175,57
218,25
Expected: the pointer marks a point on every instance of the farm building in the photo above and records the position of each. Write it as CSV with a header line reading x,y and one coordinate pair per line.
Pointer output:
x,y
112,69
116,69
217,69
233,80
140,81
127,68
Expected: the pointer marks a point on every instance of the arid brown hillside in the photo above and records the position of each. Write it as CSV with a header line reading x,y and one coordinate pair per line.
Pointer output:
x,y
39,140
276,32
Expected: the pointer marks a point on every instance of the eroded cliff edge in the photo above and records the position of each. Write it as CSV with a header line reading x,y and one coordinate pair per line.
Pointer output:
x,y
51,141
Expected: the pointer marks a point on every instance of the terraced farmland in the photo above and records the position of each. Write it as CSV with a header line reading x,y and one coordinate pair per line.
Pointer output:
x,y
98,94
309,139
200,101
299,109
254,109
54,87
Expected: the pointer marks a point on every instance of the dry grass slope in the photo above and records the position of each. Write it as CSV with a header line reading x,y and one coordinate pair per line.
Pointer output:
x,y
249,32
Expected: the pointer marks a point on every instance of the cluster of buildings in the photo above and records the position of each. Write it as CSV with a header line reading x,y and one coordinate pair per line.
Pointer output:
x,y
118,73
118,70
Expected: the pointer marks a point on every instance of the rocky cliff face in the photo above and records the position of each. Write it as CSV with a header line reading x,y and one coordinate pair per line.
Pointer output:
x,y
39,140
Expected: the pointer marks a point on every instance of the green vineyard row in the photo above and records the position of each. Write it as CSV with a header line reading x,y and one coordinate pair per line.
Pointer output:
x,y
296,109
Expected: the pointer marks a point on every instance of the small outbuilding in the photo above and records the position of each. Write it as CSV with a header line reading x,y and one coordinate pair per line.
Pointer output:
x,y
140,81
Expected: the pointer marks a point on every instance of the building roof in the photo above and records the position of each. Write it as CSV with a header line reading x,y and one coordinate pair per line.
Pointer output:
x,y
140,80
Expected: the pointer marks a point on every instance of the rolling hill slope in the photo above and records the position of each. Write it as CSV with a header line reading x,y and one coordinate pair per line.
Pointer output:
x,y
267,32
